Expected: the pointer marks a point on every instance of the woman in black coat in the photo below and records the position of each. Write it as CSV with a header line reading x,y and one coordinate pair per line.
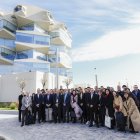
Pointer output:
x,y
109,106
102,109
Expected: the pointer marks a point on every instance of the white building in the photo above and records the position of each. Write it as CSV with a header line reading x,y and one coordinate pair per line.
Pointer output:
x,y
32,44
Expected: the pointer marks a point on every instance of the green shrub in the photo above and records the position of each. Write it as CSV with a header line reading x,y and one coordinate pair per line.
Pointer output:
x,y
12,106
4,104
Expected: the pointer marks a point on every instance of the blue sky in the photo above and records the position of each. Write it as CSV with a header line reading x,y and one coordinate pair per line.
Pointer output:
x,y
106,35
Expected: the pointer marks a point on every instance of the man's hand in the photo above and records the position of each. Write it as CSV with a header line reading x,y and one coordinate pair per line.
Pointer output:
x,y
91,106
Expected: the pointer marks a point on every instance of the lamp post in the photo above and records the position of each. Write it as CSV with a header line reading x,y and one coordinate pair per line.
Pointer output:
x,y
96,77
57,68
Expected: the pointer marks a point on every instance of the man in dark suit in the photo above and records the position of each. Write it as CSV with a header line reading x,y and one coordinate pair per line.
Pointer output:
x,y
66,106
58,106
48,105
33,105
94,106
81,103
20,105
102,109
38,103
43,106
136,94
87,108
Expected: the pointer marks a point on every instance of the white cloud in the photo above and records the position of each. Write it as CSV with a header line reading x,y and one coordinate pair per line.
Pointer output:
x,y
113,44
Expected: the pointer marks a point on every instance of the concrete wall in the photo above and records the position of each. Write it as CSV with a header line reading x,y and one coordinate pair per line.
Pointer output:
x,y
9,84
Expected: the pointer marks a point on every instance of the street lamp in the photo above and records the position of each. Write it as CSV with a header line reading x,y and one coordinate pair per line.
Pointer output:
x,y
96,77
57,67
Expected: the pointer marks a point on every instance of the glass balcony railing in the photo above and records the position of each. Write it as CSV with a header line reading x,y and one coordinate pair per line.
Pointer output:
x,y
33,66
8,26
62,36
7,42
63,49
8,54
34,39
62,72
62,58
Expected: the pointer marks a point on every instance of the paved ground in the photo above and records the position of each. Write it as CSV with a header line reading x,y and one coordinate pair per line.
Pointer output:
x,y
10,128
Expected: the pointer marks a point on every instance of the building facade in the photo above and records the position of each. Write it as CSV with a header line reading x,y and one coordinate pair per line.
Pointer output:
x,y
32,40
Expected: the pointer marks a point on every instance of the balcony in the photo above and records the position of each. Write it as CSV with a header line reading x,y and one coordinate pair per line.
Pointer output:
x,y
60,37
6,56
7,29
64,61
4,61
26,41
31,64
7,43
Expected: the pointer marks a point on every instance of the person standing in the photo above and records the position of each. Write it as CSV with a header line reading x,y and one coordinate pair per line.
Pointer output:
x,y
102,110
77,111
66,106
81,103
131,112
109,106
94,106
20,105
48,104
43,106
136,94
58,106
87,108
118,106
38,103
26,107
33,106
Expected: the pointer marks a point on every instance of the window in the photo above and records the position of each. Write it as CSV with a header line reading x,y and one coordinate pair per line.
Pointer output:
x,y
27,38
8,54
35,39
44,40
1,23
21,56
7,43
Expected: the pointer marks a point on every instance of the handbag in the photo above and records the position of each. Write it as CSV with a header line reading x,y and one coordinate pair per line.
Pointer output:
x,y
108,121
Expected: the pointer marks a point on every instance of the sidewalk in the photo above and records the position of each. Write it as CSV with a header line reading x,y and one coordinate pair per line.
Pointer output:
x,y
10,112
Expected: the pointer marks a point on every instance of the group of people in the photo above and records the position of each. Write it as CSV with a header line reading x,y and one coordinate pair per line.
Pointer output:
x,y
88,106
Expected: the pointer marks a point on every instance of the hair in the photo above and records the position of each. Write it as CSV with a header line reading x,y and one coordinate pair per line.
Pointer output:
x,y
124,86
116,93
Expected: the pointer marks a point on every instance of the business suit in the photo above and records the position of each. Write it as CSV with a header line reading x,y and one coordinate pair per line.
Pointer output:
x,y
102,110
26,107
94,106
48,106
43,106
137,99
58,107
33,104
87,108
38,103
82,105
48,100
66,107
19,106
